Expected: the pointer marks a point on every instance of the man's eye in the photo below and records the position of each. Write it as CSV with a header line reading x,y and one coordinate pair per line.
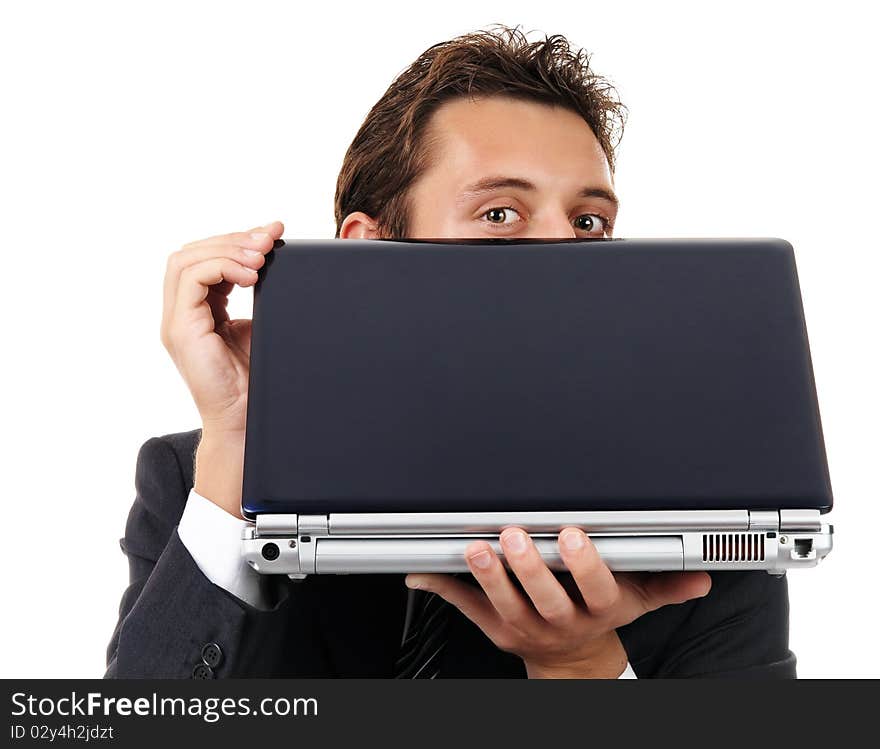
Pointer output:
x,y
591,222
499,215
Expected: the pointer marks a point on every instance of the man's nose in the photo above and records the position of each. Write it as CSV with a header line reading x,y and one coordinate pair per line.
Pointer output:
x,y
556,226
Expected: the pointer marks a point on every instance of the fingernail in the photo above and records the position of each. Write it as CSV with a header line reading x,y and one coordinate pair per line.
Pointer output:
x,y
258,235
252,252
412,582
516,541
572,540
481,559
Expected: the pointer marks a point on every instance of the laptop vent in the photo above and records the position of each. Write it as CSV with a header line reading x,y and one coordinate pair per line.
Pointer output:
x,y
733,547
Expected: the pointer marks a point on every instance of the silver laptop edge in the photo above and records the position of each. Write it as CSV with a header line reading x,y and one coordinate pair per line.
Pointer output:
x,y
650,541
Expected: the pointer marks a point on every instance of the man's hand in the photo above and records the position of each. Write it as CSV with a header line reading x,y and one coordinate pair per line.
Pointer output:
x,y
212,352
562,627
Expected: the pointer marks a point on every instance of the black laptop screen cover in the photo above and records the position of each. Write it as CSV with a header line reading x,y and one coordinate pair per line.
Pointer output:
x,y
392,376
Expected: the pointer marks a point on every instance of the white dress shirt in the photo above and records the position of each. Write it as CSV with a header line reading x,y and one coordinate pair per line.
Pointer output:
x,y
212,536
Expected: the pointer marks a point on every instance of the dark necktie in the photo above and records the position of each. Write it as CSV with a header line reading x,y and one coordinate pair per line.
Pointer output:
x,y
424,636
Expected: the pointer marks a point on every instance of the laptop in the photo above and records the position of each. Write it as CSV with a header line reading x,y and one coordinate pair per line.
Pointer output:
x,y
407,397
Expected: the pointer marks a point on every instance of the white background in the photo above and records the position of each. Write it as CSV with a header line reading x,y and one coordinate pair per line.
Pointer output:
x,y
128,130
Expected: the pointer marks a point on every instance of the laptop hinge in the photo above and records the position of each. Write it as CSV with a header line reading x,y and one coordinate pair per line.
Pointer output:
x,y
310,528
276,525
800,520
763,520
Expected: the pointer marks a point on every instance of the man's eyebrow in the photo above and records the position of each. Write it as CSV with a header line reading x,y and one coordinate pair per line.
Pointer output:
x,y
489,184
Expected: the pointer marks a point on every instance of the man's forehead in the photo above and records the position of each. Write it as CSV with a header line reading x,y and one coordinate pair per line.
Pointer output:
x,y
473,139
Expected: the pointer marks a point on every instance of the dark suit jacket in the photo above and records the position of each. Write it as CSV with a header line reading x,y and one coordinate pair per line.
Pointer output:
x,y
350,625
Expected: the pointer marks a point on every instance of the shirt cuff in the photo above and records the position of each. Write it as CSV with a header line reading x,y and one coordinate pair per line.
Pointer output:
x,y
213,538
628,672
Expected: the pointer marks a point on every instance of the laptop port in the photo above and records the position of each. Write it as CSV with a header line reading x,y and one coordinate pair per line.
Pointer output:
x,y
803,547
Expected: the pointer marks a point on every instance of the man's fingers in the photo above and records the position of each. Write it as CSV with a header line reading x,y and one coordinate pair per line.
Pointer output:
x,y
664,588
195,280
274,229
494,579
179,261
257,248
594,580
628,594
466,598
546,592
653,590
251,254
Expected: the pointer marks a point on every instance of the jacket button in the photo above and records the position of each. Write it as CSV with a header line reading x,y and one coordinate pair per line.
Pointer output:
x,y
212,655
202,671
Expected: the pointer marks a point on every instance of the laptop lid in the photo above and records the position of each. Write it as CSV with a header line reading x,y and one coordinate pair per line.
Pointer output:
x,y
490,375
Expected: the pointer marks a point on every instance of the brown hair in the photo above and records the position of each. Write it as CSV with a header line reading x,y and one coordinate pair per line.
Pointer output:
x,y
388,153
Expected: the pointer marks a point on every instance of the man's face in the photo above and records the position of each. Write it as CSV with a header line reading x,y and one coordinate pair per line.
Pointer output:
x,y
508,168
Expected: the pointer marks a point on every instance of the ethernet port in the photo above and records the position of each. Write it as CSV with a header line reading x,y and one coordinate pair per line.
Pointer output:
x,y
803,548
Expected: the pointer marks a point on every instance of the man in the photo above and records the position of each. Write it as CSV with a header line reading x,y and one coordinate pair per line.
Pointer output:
x,y
484,135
